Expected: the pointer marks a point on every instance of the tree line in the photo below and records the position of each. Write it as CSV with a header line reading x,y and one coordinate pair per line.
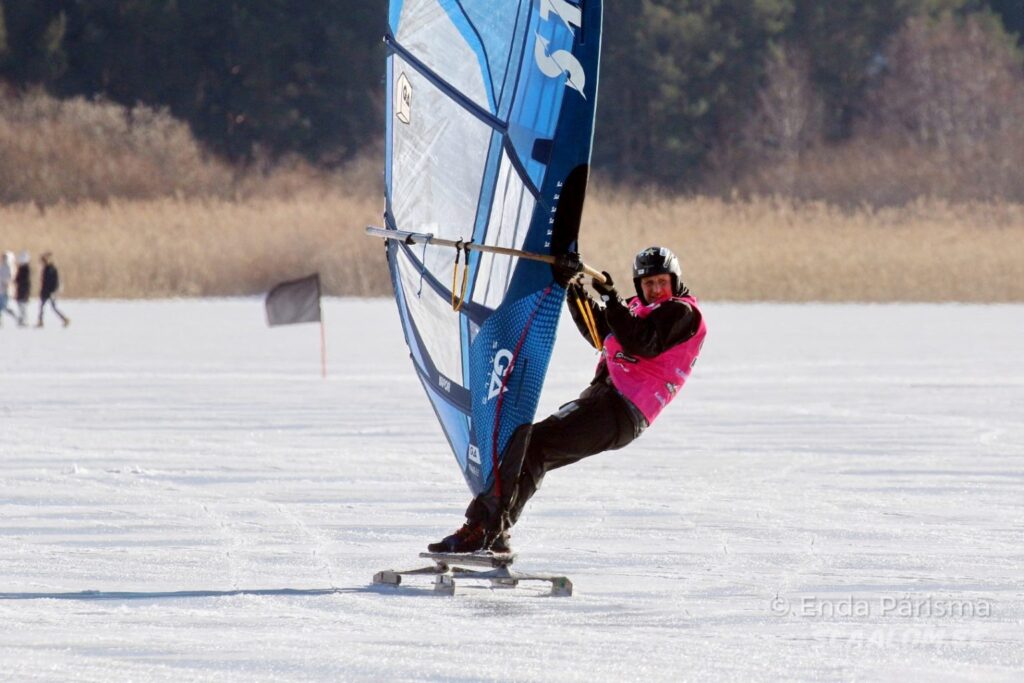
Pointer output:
x,y
689,88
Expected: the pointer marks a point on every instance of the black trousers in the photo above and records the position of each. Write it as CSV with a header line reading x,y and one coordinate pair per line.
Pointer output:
x,y
53,304
599,420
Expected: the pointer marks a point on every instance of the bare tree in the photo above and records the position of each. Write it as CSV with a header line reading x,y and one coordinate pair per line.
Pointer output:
x,y
952,83
788,121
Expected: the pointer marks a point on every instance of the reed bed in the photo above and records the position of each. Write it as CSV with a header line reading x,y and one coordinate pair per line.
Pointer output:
x,y
173,247
761,249
779,250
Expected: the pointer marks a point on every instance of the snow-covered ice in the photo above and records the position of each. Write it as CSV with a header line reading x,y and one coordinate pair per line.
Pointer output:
x,y
837,494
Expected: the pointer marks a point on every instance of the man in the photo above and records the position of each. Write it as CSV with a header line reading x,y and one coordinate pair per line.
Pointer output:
x,y
649,346
49,289
23,286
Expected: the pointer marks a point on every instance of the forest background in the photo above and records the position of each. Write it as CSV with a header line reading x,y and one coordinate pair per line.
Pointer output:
x,y
789,149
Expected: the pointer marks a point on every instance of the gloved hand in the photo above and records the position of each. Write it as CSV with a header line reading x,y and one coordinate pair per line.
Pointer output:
x,y
566,267
606,290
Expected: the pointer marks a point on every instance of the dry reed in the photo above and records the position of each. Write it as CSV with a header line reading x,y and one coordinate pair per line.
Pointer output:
x,y
781,250
70,150
176,247
760,249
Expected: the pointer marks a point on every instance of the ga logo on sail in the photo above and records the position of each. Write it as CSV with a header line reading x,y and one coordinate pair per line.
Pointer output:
x,y
501,367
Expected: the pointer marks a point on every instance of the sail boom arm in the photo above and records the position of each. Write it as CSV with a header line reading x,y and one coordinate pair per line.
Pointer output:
x,y
413,238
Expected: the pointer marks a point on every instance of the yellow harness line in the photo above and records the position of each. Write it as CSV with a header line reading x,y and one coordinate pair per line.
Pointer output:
x,y
588,318
458,301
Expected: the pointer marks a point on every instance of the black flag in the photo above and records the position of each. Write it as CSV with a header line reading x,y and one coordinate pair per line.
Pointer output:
x,y
297,301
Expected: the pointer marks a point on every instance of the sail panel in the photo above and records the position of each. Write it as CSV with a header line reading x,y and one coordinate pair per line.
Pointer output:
x,y
435,321
439,152
440,35
511,213
501,30
539,99
490,122
453,419
513,349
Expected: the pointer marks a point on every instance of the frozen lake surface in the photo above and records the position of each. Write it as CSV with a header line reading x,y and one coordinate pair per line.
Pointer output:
x,y
838,494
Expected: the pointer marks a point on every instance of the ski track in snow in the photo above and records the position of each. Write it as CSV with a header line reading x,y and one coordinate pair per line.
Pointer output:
x,y
184,498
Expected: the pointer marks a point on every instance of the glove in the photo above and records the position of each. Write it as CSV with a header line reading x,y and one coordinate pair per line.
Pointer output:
x,y
566,267
607,290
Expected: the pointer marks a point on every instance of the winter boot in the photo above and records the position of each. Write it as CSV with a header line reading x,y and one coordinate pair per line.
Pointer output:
x,y
499,542
468,539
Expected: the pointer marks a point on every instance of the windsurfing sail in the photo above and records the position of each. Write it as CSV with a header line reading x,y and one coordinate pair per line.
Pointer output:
x,y
489,128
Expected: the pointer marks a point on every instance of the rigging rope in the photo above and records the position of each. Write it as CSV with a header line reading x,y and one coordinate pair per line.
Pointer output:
x,y
459,300
588,319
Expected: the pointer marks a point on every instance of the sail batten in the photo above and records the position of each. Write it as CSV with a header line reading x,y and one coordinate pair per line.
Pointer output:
x,y
490,115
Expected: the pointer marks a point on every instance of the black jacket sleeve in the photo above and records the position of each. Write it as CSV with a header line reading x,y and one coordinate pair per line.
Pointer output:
x,y
671,323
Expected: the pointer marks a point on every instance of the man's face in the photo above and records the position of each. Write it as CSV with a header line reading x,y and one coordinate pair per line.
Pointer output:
x,y
656,287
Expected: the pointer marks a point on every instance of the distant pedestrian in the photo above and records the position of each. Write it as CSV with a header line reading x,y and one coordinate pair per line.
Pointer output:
x,y
7,267
23,286
49,288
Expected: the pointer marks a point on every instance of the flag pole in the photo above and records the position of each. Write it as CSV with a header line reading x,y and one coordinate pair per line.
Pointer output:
x,y
323,331
299,301
323,350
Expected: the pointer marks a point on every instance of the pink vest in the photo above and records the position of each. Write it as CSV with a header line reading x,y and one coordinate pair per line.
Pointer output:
x,y
651,383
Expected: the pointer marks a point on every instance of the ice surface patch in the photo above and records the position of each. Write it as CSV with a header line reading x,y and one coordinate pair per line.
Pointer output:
x,y
182,497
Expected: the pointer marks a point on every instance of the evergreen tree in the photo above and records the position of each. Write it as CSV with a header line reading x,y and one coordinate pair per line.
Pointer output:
x,y
3,35
1012,14
845,40
302,78
31,41
676,77
264,76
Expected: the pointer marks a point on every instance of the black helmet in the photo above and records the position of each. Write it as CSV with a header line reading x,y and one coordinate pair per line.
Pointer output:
x,y
657,261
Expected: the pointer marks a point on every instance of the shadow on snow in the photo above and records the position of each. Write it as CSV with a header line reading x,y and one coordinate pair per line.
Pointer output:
x,y
97,595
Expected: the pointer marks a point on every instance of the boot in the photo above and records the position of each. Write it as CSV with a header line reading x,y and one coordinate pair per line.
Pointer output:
x,y
500,543
473,537
468,539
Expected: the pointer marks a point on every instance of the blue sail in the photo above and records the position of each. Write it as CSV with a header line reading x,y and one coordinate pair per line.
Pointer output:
x,y
488,135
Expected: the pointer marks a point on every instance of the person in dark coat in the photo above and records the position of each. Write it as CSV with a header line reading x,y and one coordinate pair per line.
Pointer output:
x,y
23,286
48,290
